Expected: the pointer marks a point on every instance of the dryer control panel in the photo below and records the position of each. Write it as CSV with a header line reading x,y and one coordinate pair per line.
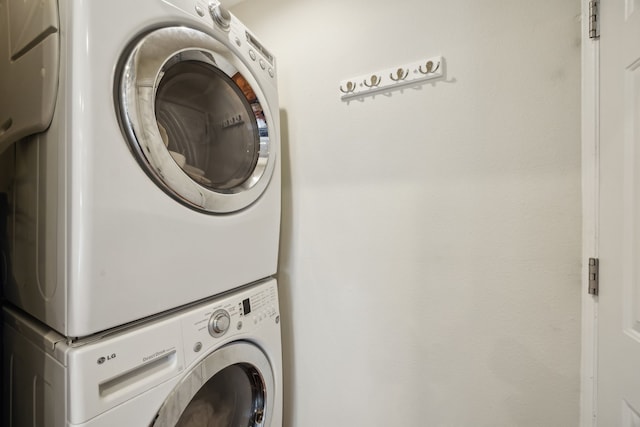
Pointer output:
x,y
217,17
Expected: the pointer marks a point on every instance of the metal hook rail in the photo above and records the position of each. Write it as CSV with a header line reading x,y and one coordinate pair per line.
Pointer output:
x,y
391,78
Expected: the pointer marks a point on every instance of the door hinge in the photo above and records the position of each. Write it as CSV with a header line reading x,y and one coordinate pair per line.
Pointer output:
x,y
594,273
594,19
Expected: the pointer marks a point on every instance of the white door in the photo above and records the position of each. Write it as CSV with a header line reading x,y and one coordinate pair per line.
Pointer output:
x,y
618,335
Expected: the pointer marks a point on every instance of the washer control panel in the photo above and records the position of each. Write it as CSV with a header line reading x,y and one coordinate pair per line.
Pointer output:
x,y
242,313
259,307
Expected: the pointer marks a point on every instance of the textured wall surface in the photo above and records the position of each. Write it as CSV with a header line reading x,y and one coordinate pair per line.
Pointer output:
x,y
430,254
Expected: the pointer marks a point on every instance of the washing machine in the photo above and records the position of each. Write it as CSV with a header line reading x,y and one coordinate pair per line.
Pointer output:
x,y
217,363
145,140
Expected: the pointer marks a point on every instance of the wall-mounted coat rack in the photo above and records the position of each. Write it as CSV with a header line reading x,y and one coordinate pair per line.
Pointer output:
x,y
391,78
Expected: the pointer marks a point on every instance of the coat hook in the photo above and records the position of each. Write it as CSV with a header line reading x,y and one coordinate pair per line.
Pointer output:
x,y
429,68
401,74
351,86
375,81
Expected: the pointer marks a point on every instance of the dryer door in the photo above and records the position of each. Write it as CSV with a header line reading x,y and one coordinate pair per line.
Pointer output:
x,y
196,118
232,387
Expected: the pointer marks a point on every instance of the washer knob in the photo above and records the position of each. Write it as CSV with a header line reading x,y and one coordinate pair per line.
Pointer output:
x,y
219,323
221,16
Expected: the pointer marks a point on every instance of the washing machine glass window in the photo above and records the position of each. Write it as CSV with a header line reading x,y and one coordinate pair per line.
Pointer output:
x,y
233,397
194,115
232,387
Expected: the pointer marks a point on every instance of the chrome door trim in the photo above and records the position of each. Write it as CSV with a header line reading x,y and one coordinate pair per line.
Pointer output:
x,y
231,354
136,86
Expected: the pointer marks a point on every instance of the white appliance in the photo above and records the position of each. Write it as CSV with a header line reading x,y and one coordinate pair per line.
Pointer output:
x,y
217,363
149,178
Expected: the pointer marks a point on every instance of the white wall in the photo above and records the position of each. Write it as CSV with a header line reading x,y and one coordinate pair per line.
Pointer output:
x,y
430,259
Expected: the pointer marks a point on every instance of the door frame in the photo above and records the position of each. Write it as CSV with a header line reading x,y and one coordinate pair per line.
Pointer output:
x,y
590,129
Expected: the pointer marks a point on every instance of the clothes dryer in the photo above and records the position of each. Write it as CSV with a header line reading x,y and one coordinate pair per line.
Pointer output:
x,y
145,136
217,363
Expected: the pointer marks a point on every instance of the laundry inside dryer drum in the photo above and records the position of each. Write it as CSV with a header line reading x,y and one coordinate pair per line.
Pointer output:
x,y
210,123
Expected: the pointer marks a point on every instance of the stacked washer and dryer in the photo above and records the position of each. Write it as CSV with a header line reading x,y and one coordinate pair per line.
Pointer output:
x,y
142,222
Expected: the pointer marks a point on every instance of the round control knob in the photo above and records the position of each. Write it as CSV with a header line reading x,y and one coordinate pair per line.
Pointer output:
x,y
219,323
221,16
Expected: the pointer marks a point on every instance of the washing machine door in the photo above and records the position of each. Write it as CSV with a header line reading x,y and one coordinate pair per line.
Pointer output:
x,y
196,119
232,387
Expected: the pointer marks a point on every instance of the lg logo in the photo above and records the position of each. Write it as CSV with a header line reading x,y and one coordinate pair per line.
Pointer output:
x,y
103,359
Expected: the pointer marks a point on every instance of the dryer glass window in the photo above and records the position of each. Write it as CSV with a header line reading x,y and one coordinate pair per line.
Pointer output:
x,y
192,112
210,123
234,397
